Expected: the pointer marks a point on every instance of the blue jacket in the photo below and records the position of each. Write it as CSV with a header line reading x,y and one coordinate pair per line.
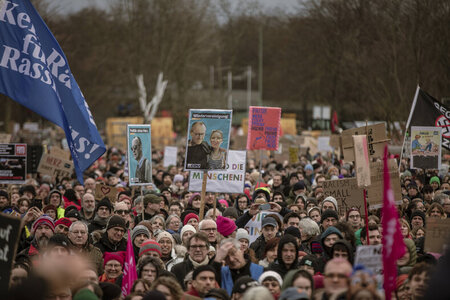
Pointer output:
x,y
227,280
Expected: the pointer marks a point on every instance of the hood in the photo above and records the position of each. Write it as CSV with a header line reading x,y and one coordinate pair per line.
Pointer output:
x,y
349,248
236,204
330,230
284,240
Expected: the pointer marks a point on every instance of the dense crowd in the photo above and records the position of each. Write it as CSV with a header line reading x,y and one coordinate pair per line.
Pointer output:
x,y
73,245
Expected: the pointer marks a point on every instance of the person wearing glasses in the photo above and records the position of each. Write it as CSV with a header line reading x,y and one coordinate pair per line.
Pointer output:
x,y
198,149
209,227
78,237
198,247
336,279
143,169
112,240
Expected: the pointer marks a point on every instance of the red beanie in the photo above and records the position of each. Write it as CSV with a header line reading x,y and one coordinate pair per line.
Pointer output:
x,y
63,221
119,256
225,226
188,217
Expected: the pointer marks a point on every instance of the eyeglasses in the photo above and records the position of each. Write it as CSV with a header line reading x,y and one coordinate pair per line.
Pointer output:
x,y
113,266
209,229
200,247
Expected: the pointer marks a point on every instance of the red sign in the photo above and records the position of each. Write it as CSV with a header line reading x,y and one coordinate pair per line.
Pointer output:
x,y
263,128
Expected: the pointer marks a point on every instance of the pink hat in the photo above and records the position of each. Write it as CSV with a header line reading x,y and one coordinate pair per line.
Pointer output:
x,y
119,256
188,217
224,202
225,226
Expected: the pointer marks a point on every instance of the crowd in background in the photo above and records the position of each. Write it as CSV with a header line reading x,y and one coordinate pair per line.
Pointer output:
x,y
73,245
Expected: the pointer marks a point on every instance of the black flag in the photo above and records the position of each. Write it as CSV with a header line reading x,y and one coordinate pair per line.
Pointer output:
x,y
427,111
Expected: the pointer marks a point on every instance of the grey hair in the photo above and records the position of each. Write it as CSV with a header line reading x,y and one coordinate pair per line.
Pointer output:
x,y
210,212
200,225
257,293
76,223
169,218
235,242
309,227
158,217
440,198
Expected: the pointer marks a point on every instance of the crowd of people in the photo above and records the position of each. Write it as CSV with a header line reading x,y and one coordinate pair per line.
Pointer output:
x,y
72,245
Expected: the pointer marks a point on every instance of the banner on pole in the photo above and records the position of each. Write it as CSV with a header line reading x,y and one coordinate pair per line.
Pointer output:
x,y
376,140
225,181
375,190
361,161
139,154
263,128
426,147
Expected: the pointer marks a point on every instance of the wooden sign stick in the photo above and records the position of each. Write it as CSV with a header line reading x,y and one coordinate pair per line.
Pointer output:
x,y
143,208
202,204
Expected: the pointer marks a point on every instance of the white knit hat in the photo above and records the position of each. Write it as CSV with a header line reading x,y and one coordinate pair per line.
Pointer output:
x,y
242,234
270,274
187,228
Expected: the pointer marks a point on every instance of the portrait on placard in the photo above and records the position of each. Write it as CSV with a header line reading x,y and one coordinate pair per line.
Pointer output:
x,y
208,139
139,154
426,147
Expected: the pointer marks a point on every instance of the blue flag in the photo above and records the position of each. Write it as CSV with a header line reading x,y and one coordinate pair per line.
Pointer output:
x,y
34,72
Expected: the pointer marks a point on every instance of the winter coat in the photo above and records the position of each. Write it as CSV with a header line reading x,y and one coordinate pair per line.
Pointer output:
x,y
105,244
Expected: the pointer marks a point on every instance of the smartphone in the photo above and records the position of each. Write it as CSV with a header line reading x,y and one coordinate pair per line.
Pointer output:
x,y
265,206
37,203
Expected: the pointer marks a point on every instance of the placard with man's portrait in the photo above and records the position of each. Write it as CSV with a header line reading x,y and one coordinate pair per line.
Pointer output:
x,y
139,154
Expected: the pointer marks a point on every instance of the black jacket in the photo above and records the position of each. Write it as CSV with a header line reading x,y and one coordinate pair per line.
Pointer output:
x,y
278,265
181,269
105,244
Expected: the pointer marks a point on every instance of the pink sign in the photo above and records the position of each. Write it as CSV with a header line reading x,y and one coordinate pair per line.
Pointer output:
x,y
263,128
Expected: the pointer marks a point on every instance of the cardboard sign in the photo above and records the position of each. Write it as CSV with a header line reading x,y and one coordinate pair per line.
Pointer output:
x,y
426,147
323,144
346,192
437,239
293,155
139,154
376,140
254,225
288,126
361,161
162,131
13,163
264,128
56,151
116,130
375,190
170,156
9,237
225,181
102,191
5,138
55,166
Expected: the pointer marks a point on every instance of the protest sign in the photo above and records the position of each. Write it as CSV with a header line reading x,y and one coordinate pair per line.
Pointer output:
x,y
5,138
346,192
426,147
288,126
323,144
208,139
13,163
9,237
102,191
225,181
370,257
437,239
116,130
376,140
375,190
162,131
56,151
55,166
254,225
139,154
293,154
264,128
361,161
170,156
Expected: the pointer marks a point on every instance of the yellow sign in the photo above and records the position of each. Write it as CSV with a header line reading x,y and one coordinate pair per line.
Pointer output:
x,y
116,130
162,132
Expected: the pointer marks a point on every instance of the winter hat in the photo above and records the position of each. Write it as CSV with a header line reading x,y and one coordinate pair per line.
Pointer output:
x,y
116,221
293,293
119,256
313,208
139,229
272,274
225,226
150,245
435,179
350,210
44,220
242,234
187,228
299,185
309,260
73,213
230,212
331,230
309,167
224,202
105,202
111,290
64,221
329,214
294,231
85,294
59,240
153,295
188,217
263,190
177,178
316,247
165,234
193,196
218,294
332,200
400,281
420,214
49,207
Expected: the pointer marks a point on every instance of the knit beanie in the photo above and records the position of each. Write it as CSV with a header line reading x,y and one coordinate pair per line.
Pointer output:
x,y
178,177
418,213
272,274
435,179
106,203
193,196
85,294
329,214
294,231
116,221
150,245
44,220
225,226
63,221
49,207
139,229
119,256
224,202
187,228
332,200
242,234
230,212
59,240
316,247
165,234
188,217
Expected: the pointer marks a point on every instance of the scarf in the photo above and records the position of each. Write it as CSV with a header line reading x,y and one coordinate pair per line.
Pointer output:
x,y
196,264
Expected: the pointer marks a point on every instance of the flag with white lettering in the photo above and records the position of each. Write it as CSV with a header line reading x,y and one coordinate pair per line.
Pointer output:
x,y
427,111
34,72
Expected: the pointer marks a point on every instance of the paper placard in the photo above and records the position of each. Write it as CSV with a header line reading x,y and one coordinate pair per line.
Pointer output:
x,y
56,151
5,138
226,181
293,154
13,163
346,192
55,166
437,239
361,161
102,191
263,128
139,138
323,144
10,229
170,156
376,139
426,147
375,190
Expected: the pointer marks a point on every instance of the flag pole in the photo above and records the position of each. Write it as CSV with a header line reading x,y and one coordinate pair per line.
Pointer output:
x,y
366,216
407,123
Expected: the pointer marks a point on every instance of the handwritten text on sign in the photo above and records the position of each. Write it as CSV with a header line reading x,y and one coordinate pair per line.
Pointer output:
x,y
264,128
55,166
346,192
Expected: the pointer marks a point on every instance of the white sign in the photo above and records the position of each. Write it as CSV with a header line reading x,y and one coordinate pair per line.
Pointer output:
x,y
370,257
323,144
226,181
254,225
170,156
